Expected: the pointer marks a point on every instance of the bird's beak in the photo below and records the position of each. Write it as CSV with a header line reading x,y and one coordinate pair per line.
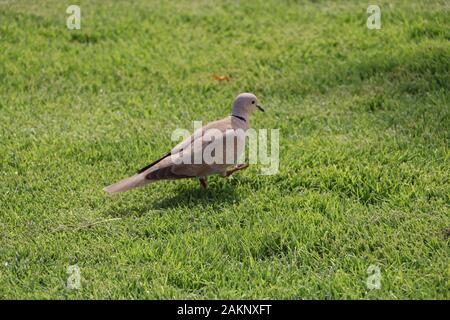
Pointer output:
x,y
260,108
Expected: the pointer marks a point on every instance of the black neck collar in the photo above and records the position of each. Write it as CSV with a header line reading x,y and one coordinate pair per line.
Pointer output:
x,y
239,117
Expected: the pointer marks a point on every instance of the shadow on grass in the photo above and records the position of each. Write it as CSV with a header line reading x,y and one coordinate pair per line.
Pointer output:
x,y
191,197
187,196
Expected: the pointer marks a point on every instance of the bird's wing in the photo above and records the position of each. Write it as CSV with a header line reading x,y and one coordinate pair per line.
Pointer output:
x,y
220,124
224,123
201,159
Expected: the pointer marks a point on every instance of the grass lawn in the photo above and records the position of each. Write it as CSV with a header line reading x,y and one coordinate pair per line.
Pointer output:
x,y
364,178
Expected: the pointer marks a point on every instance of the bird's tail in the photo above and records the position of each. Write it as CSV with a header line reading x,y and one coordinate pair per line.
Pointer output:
x,y
127,184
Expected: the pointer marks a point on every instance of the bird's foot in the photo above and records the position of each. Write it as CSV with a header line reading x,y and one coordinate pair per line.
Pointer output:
x,y
203,182
236,168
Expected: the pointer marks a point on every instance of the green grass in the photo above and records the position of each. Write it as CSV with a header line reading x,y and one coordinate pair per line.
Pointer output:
x,y
364,119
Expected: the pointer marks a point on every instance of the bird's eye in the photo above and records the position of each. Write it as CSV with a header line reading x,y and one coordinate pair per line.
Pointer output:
x,y
253,102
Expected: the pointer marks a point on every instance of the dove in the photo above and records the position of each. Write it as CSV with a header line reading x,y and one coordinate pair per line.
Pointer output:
x,y
212,149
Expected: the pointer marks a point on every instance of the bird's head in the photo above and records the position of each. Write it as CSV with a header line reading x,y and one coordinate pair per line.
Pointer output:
x,y
246,103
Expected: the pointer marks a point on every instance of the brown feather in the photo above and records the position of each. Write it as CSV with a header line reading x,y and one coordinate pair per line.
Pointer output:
x,y
165,173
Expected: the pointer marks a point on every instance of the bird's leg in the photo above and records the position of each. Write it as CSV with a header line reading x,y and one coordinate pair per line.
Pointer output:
x,y
203,182
236,168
